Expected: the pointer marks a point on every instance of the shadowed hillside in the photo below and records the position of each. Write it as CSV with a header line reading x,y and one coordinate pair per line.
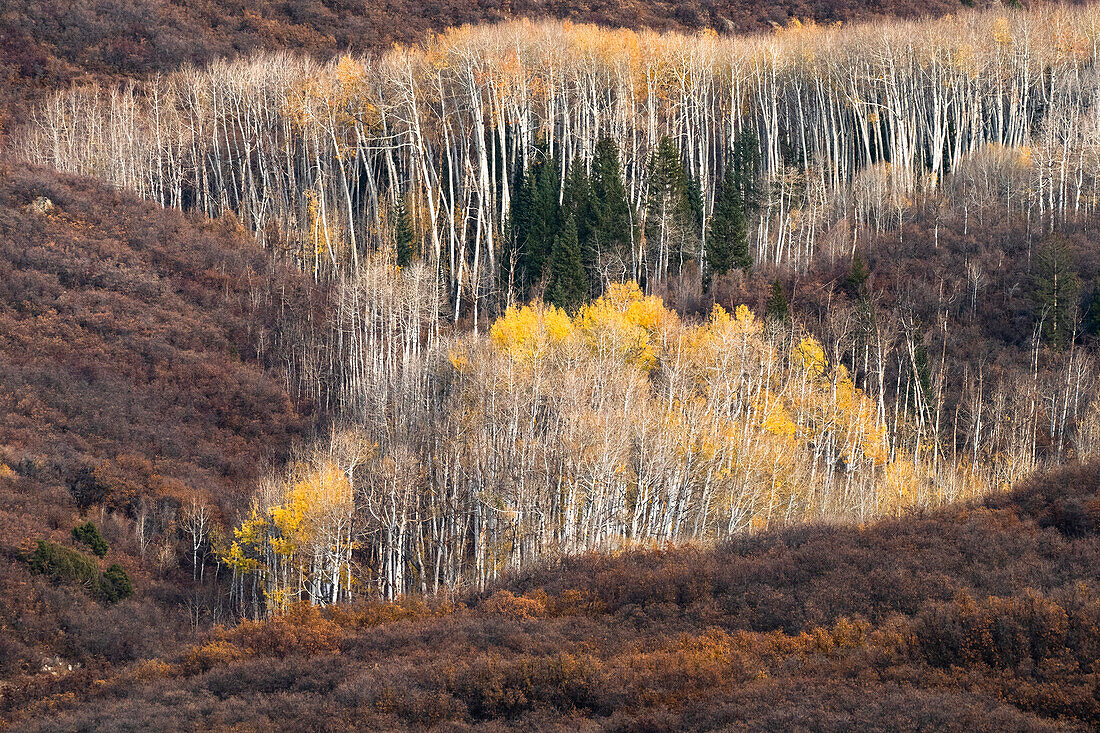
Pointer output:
x,y
131,349
983,617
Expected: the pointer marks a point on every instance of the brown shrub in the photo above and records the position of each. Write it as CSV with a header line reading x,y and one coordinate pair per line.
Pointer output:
x,y
517,608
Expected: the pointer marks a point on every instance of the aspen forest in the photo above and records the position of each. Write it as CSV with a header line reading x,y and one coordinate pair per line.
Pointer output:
x,y
500,212
717,369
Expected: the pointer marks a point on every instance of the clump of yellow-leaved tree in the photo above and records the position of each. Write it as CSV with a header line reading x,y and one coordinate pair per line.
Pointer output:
x,y
619,425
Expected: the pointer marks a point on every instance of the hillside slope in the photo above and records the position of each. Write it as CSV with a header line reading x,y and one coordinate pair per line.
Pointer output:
x,y
46,44
132,343
982,617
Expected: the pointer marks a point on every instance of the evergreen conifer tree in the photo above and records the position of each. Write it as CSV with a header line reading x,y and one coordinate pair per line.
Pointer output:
x,y
89,535
736,198
568,286
613,221
777,307
857,276
695,200
671,232
1055,291
1092,312
115,584
404,236
577,203
746,169
728,243
534,222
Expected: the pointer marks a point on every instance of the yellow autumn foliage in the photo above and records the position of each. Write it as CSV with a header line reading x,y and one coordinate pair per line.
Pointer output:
x,y
281,540
527,333
307,500
625,324
812,357
800,416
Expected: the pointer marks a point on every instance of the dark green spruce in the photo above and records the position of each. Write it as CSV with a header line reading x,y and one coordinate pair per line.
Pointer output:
x,y
404,235
568,287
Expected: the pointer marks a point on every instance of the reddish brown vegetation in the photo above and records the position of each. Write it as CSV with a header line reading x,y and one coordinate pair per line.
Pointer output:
x,y
983,617
46,43
132,343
